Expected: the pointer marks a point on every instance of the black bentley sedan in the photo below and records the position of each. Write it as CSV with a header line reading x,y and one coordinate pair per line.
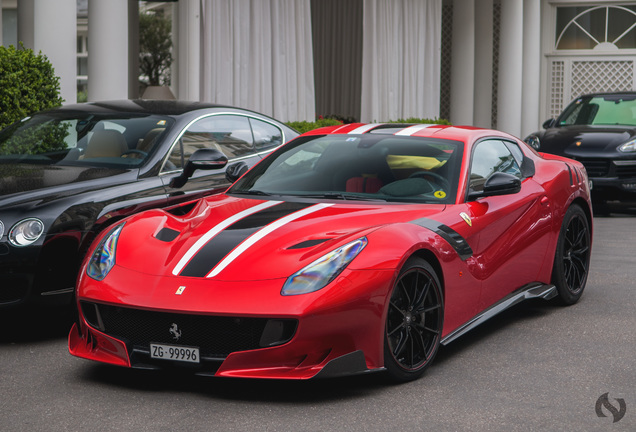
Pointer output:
x,y
68,173
598,130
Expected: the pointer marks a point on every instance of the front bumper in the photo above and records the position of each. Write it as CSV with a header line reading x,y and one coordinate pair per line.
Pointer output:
x,y
29,276
611,179
339,330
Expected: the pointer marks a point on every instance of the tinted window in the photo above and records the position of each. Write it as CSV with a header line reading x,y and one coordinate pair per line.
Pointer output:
x,y
230,134
601,110
489,157
368,166
80,138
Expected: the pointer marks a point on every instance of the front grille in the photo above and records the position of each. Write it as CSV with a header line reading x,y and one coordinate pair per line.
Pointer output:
x,y
596,167
216,336
625,171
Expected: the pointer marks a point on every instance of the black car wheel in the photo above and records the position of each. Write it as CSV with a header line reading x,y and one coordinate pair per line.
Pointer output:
x,y
572,257
414,321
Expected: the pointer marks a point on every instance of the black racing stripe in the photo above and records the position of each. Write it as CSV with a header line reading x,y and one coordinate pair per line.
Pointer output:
x,y
225,241
453,238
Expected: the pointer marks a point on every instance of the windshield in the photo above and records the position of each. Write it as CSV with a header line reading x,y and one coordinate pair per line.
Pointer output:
x,y
359,167
600,110
82,139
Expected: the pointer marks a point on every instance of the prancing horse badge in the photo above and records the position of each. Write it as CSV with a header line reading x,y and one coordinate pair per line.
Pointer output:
x,y
466,218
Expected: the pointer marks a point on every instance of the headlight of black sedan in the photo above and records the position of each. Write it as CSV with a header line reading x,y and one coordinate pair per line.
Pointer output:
x,y
26,232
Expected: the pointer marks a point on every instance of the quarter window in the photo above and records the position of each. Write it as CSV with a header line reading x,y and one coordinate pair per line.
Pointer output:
x,y
266,135
489,157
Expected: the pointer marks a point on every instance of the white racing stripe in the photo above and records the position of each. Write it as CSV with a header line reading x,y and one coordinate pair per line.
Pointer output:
x,y
217,229
365,128
262,233
413,129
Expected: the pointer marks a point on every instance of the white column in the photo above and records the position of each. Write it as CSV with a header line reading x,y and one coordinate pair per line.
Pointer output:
x,y
531,89
107,49
189,59
510,67
51,28
463,62
57,39
133,49
483,35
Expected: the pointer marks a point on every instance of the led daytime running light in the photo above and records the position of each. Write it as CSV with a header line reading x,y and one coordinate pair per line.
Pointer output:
x,y
324,270
103,259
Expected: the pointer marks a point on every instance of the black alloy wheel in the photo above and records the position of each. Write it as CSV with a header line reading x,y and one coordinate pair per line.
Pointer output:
x,y
572,256
414,321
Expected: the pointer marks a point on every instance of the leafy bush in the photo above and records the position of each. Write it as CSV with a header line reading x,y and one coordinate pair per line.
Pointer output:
x,y
305,126
421,121
27,84
155,49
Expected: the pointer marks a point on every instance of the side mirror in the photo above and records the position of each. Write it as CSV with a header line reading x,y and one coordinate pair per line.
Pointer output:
x,y
202,159
549,123
235,171
497,184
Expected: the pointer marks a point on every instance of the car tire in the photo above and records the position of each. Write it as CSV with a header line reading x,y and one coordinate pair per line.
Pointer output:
x,y
414,321
572,256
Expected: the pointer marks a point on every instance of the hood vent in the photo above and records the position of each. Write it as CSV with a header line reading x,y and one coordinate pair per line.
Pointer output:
x,y
167,235
308,243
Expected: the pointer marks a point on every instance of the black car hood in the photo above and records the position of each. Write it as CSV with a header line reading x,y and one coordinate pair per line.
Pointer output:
x,y
585,141
33,179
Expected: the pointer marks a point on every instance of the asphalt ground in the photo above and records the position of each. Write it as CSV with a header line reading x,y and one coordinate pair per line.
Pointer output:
x,y
536,367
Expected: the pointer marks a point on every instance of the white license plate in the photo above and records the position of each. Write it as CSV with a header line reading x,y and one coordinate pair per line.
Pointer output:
x,y
174,352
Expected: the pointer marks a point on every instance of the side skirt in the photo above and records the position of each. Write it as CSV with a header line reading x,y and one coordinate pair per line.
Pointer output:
x,y
531,291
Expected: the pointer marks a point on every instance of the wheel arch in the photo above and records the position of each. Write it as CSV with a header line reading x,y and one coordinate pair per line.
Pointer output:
x,y
431,258
587,210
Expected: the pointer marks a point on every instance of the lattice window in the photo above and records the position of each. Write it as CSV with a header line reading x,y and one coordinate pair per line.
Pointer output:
x,y
601,76
446,54
556,91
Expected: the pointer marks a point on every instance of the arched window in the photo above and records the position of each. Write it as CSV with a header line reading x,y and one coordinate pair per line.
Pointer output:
x,y
605,28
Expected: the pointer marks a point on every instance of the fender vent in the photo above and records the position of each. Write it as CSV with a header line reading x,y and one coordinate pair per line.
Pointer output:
x,y
167,235
308,243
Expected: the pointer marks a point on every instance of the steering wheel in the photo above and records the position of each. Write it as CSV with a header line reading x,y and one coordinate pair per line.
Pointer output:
x,y
435,178
134,152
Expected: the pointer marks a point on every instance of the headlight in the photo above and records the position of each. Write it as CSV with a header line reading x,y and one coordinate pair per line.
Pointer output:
x,y
1,229
103,259
26,232
533,141
324,270
628,147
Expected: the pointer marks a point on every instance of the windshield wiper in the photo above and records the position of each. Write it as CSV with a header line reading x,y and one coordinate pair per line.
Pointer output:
x,y
252,192
343,196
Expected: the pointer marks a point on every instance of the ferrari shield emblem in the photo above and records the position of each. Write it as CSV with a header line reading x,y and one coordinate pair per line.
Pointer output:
x,y
180,290
466,218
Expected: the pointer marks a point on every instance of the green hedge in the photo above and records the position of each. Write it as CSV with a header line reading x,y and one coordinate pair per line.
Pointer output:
x,y
305,126
27,84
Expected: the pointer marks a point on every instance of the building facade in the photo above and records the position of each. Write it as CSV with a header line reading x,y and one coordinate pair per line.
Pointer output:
x,y
507,64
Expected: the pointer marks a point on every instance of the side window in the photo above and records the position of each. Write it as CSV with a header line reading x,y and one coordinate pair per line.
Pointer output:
x,y
230,134
266,135
489,157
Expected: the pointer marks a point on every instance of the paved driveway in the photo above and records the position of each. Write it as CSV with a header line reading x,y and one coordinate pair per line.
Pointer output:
x,y
537,367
